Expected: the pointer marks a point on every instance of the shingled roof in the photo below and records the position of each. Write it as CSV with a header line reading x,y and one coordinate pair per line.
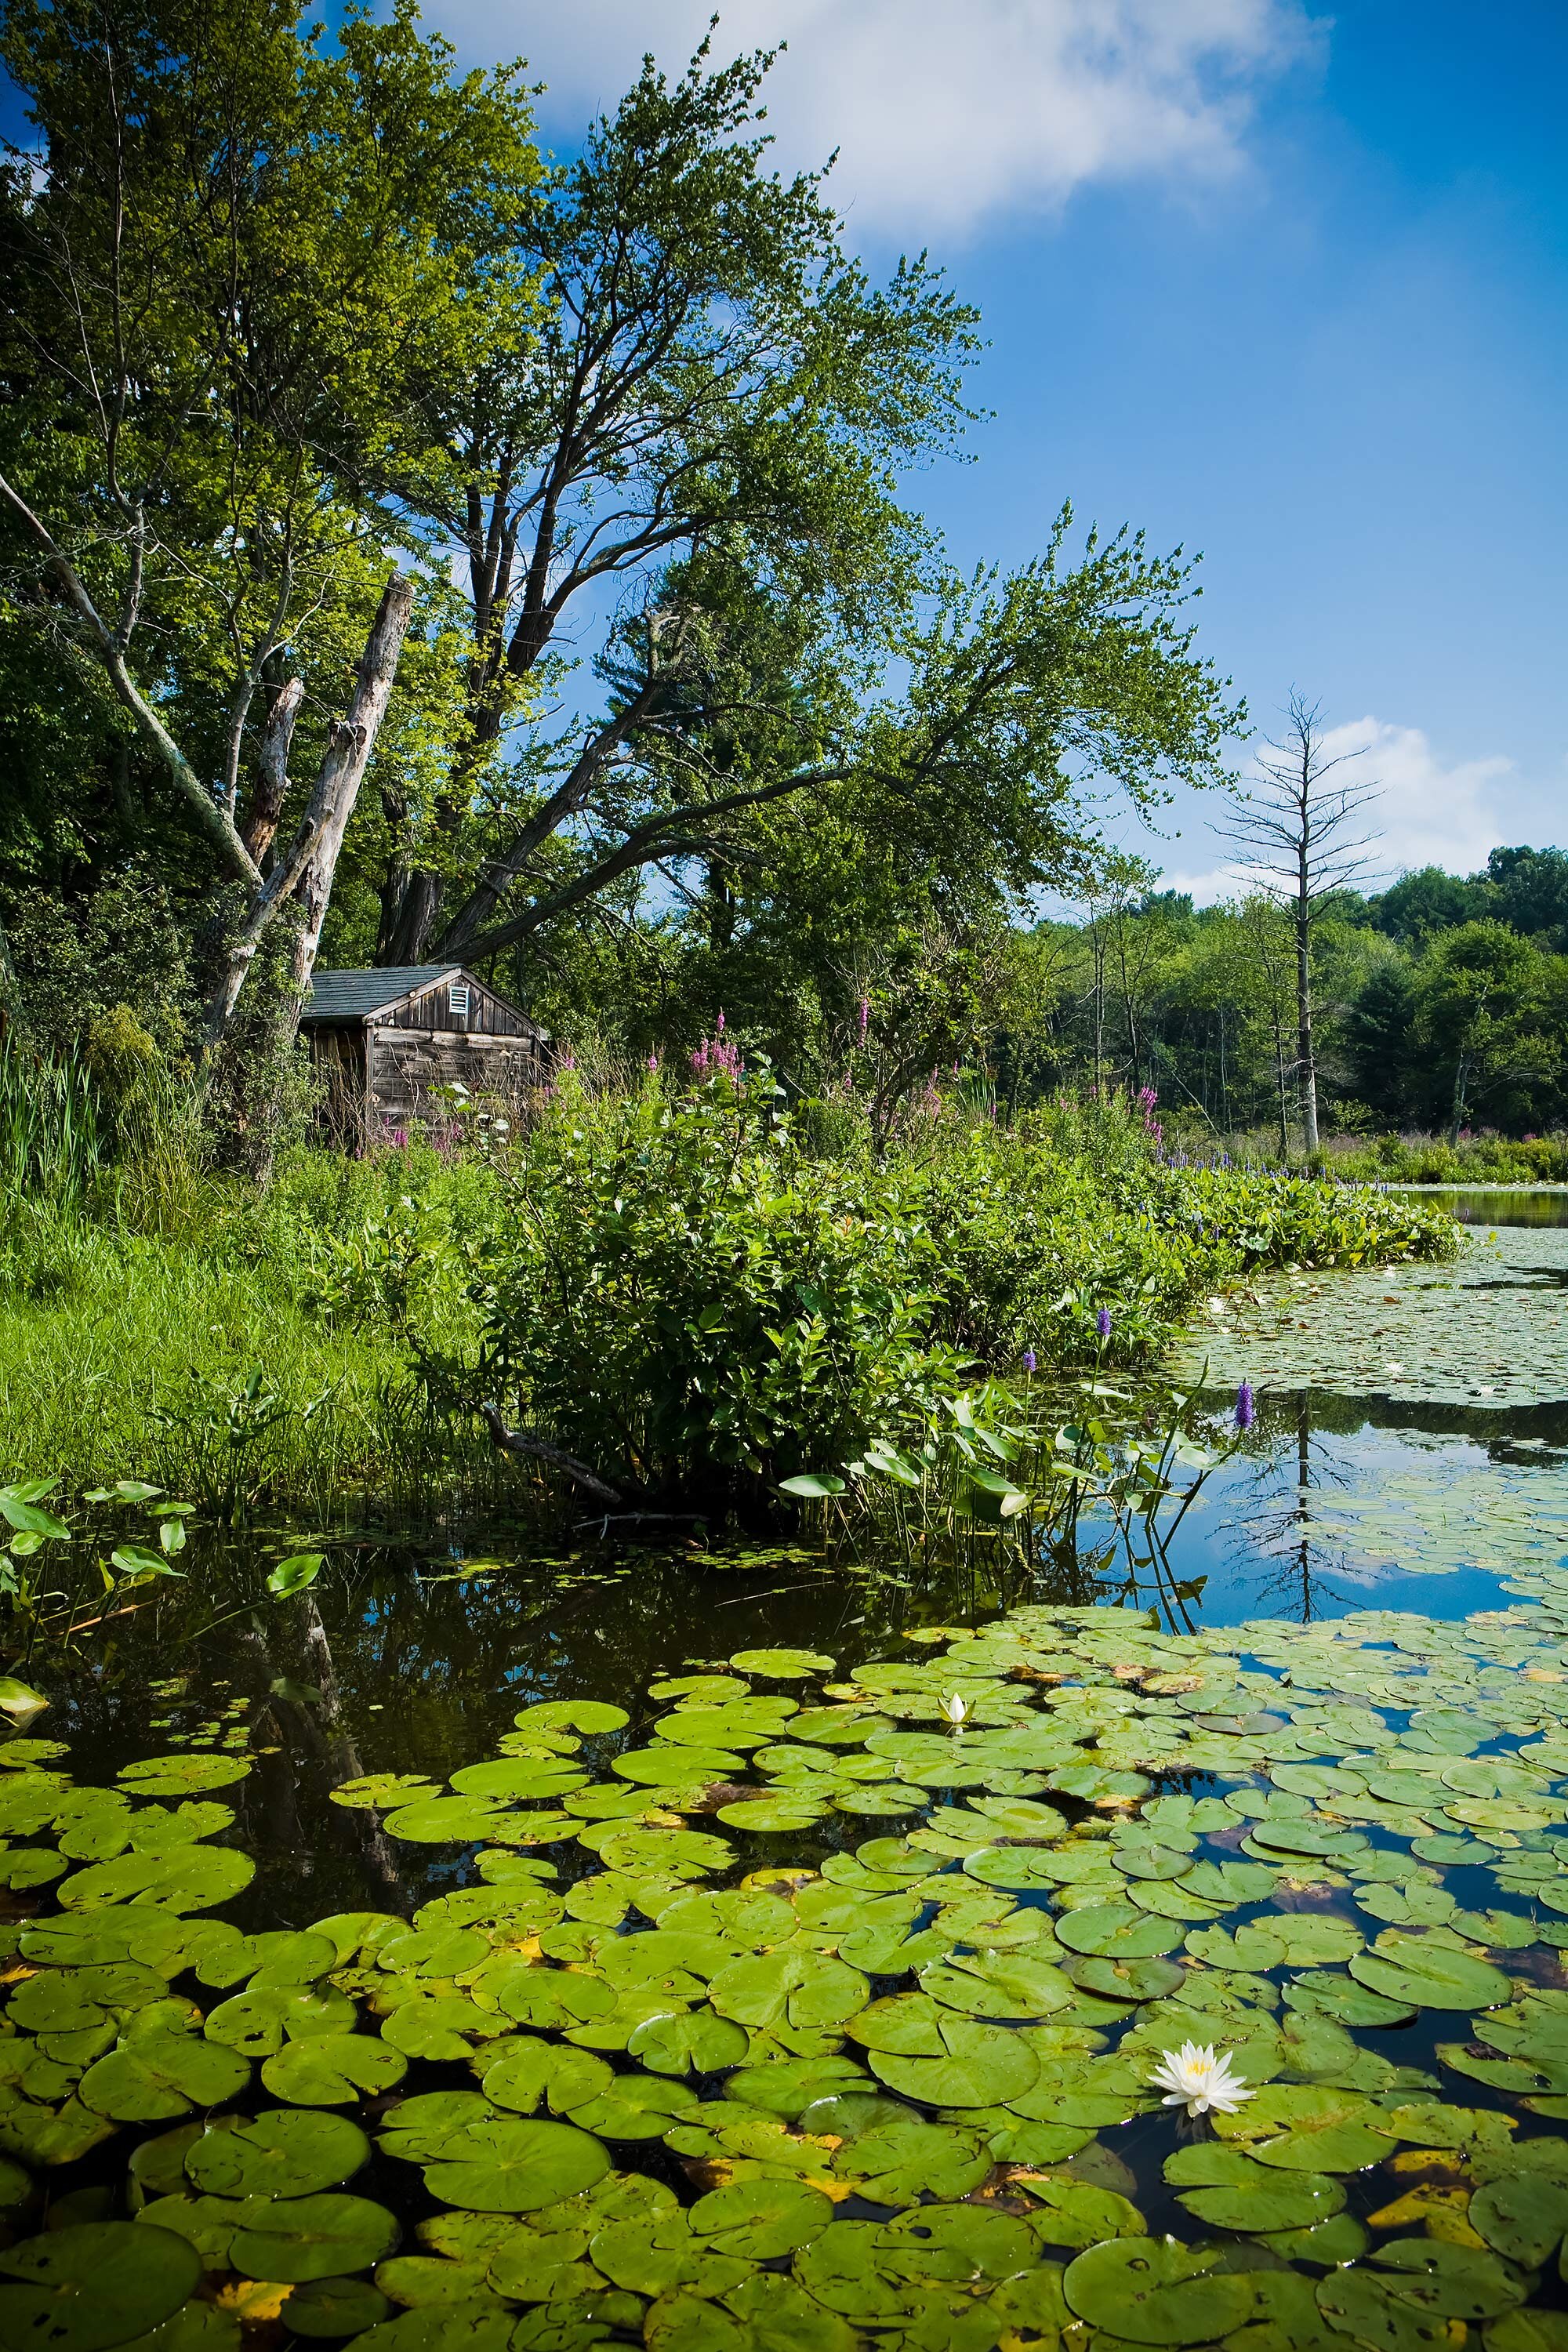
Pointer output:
x,y
355,995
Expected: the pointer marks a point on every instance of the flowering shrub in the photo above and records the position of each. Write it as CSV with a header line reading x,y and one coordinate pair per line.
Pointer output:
x,y
683,1299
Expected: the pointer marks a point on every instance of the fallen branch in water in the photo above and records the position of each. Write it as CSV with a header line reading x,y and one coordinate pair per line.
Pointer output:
x,y
538,1449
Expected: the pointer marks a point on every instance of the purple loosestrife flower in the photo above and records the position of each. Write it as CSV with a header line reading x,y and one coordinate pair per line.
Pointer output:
x,y
865,1017
1102,1322
1245,1410
1030,1360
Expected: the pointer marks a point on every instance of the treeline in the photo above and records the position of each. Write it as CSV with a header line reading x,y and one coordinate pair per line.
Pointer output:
x,y
1441,1005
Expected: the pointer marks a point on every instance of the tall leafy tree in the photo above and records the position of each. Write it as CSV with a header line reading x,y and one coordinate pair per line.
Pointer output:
x,y
1480,999
711,370
234,265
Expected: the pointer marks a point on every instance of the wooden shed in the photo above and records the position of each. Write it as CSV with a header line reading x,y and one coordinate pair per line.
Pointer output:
x,y
386,1040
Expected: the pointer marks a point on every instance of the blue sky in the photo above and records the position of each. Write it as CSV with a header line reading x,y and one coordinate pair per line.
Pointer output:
x,y
1287,287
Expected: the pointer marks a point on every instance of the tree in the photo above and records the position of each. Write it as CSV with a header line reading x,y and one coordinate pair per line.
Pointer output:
x,y
707,427
1479,995
710,371
233,270
1529,888
1295,825
1425,901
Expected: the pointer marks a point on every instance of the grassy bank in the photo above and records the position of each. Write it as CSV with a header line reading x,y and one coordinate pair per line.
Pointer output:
x,y
689,1290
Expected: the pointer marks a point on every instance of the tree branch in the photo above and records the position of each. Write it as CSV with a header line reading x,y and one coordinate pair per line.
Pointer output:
x,y
218,823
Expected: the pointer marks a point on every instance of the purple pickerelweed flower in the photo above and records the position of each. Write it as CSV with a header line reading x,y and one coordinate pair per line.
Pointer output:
x,y
1030,1360
1246,1411
1102,1322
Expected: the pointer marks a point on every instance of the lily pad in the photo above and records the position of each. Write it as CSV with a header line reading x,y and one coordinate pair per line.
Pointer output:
x,y
333,2070
188,1878
1306,2127
1417,1968
1524,2218
511,2166
1227,2189
182,1776
1153,2291
782,1665
93,2284
317,2237
334,2307
284,2152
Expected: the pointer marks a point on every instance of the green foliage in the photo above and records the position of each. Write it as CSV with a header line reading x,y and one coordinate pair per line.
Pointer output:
x,y
677,1292
680,1294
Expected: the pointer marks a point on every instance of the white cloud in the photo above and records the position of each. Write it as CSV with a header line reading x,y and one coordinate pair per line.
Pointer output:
x,y
1427,812
945,110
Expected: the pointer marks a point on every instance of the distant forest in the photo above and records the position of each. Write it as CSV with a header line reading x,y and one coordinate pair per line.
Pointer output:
x,y
1441,995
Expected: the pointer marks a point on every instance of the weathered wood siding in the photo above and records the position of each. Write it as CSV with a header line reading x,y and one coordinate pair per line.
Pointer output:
x,y
431,1010
406,1065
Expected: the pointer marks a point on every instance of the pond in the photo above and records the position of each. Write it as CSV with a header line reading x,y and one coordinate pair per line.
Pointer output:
x,y
720,1950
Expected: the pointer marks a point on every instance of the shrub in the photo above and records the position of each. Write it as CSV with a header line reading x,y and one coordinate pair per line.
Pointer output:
x,y
687,1301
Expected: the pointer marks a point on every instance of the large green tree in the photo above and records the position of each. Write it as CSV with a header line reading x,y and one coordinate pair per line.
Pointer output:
x,y
236,262
704,443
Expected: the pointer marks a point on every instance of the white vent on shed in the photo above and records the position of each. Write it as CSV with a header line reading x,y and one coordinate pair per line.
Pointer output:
x,y
458,1001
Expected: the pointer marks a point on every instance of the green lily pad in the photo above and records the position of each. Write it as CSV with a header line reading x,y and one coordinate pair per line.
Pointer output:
x,y
782,1665
1414,1968
1100,1931
511,2166
1125,1979
160,2074
182,1776
658,2251
965,2064
1227,2189
760,2219
1305,2127
1365,2307
897,2161
299,2239
447,1821
772,1816
1449,2281
93,2284
588,1716
382,1790
333,2307
1153,2291
514,1783
333,2070
257,2022
789,1987
1524,2219
689,2042
657,1767
284,2152
766,2312
480,2326
790,2085
188,1878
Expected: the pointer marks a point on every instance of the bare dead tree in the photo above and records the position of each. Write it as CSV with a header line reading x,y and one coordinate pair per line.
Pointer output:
x,y
1294,827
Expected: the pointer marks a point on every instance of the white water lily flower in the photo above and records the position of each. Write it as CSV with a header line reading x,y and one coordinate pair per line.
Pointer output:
x,y
955,1708
1193,2078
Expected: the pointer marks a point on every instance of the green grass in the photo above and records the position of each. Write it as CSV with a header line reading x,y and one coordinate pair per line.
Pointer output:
x,y
122,1354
